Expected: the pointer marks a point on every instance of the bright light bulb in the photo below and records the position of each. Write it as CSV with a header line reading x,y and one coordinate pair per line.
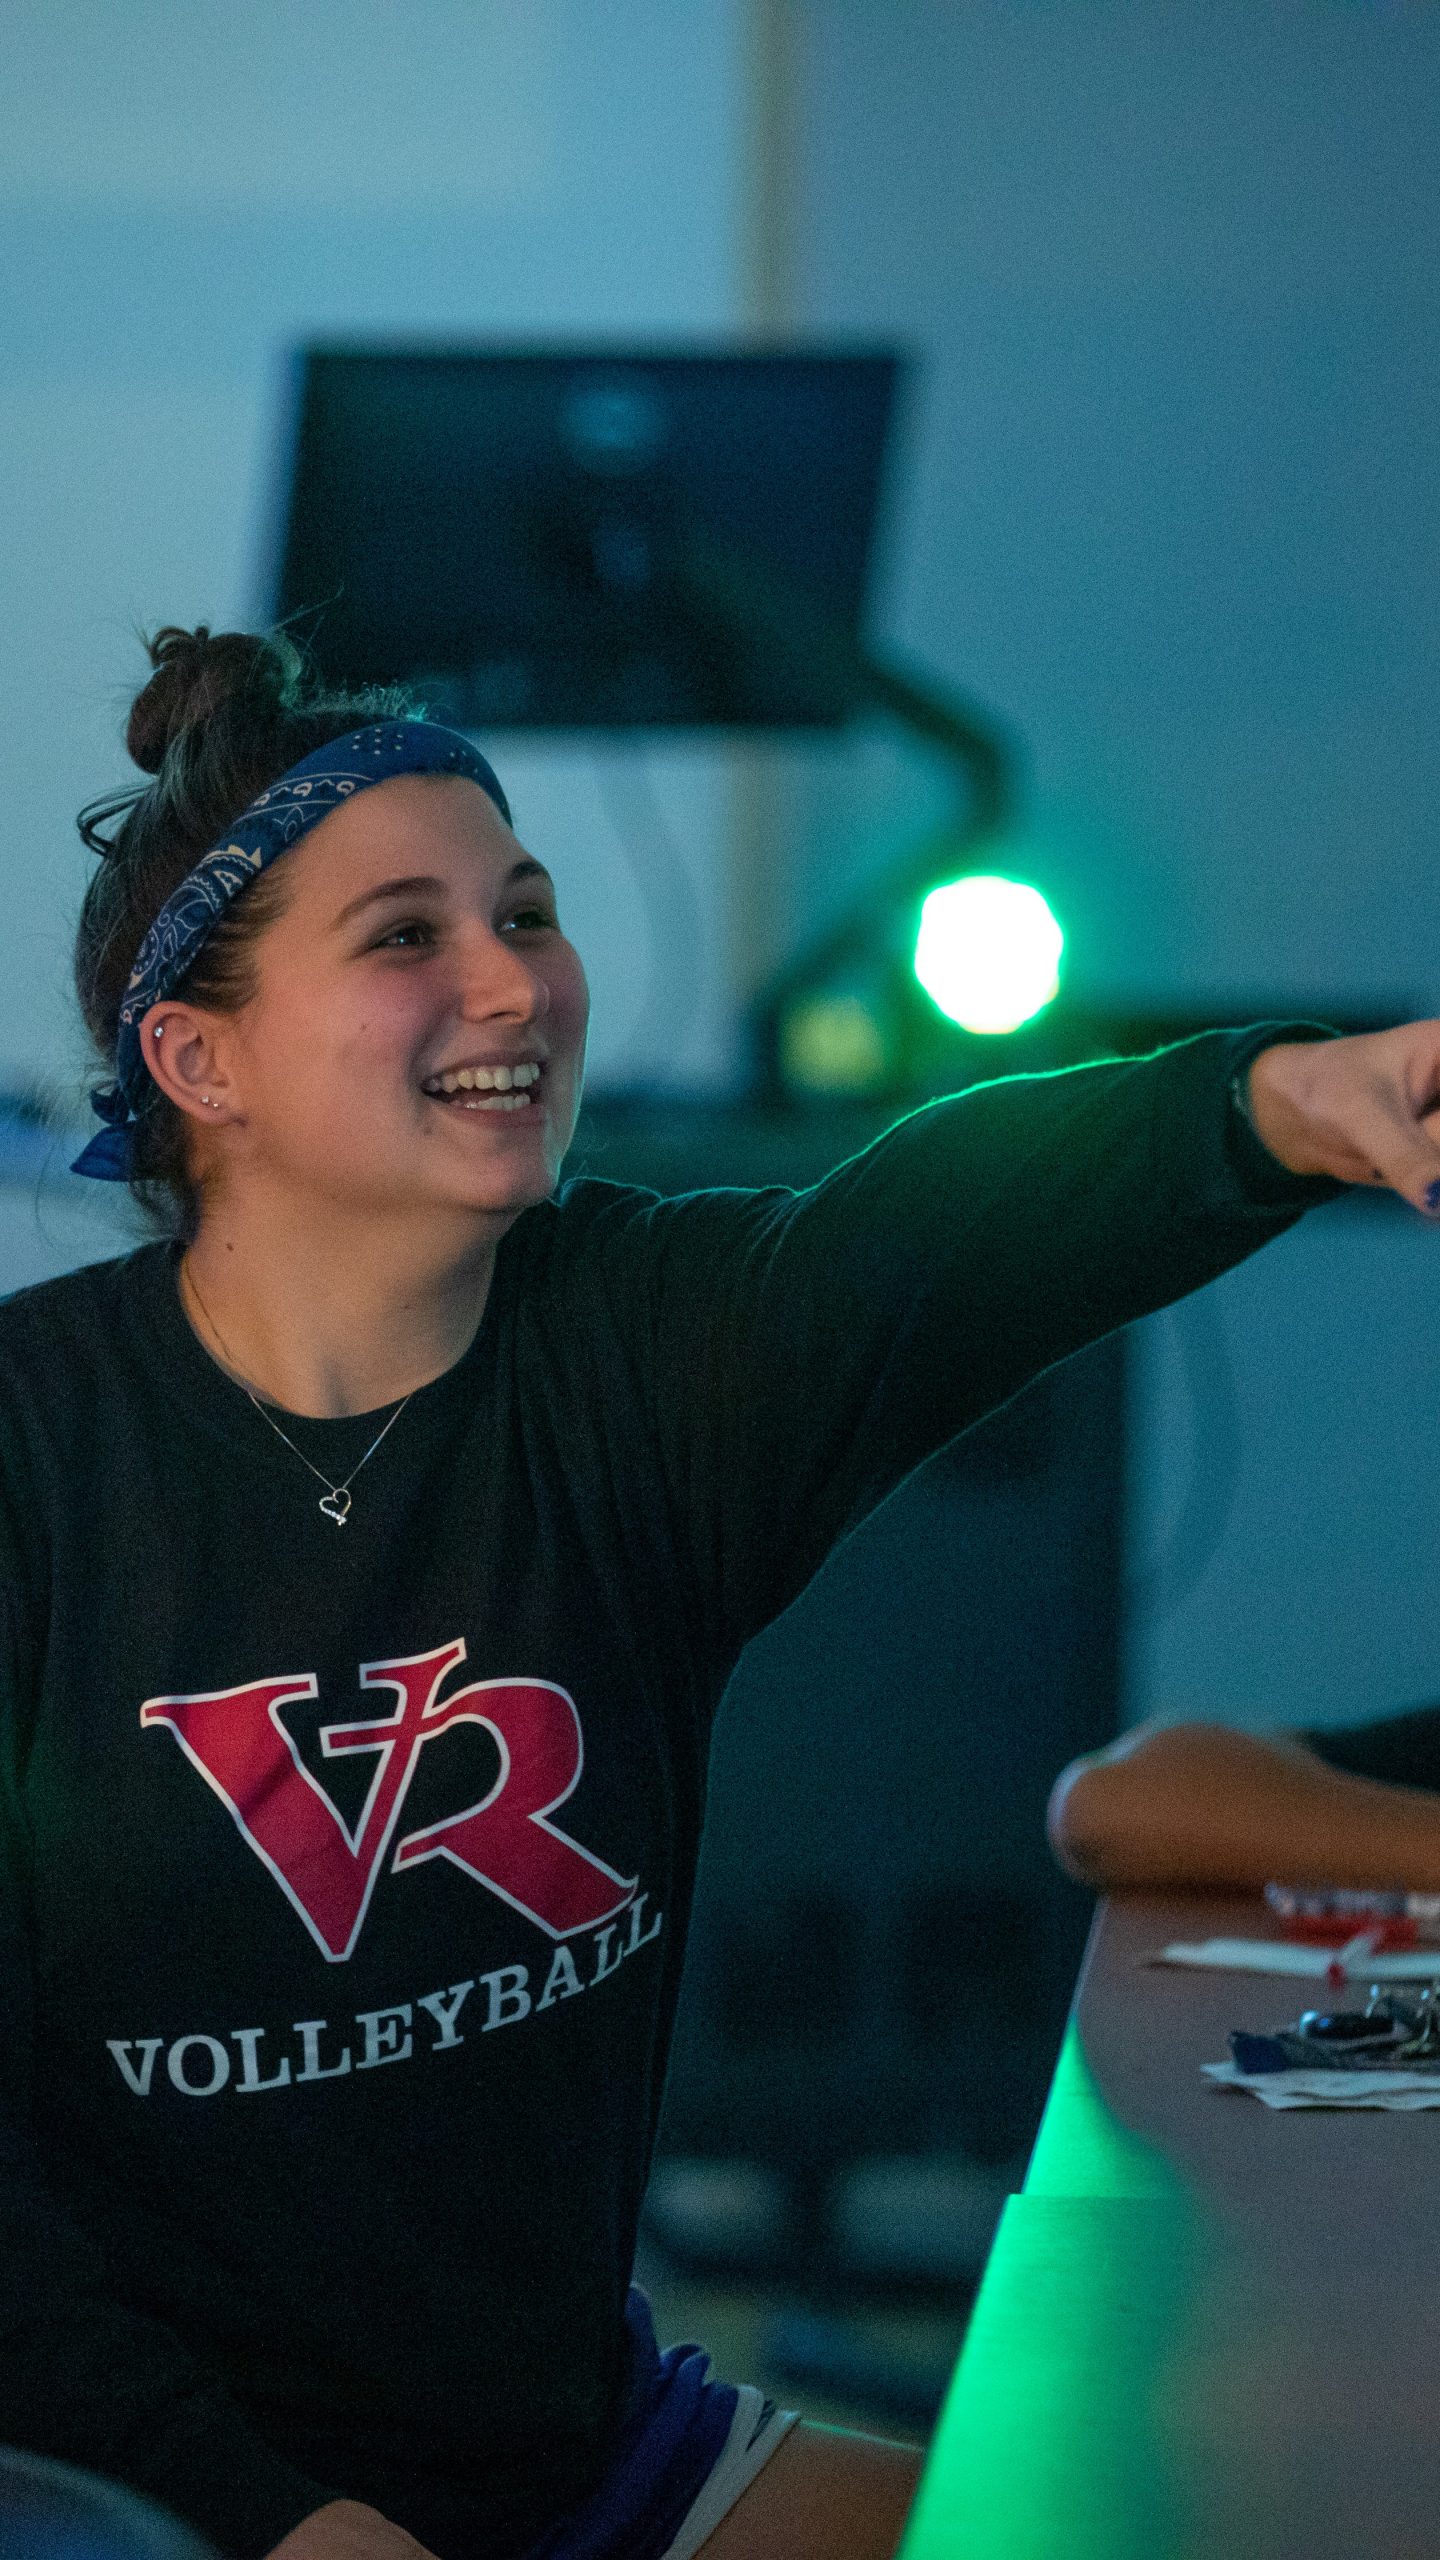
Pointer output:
x,y
988,952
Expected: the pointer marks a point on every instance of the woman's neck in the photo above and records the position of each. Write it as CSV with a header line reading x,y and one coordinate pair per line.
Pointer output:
x,y
329,1333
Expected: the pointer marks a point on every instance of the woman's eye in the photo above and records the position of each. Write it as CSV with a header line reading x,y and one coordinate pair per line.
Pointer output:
x,y
416,925
528,919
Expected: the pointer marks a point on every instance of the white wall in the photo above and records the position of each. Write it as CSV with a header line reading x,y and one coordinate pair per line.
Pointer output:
x,y
1170,504
1310,1380
185,191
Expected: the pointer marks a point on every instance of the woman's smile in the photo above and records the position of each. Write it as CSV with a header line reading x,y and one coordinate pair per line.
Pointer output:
x,y
514,1090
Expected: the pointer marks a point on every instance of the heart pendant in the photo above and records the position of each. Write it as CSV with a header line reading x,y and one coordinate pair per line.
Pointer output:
x,y
335,1505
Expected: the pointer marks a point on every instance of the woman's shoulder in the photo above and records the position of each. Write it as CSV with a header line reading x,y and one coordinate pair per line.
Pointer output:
x,y
66,1345
79,1305
59,1339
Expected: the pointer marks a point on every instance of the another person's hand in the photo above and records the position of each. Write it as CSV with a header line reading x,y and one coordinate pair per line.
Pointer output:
x,y
348,2530
1363,1109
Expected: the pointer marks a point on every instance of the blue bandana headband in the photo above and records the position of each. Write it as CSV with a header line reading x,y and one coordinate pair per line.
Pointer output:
x,y
276,821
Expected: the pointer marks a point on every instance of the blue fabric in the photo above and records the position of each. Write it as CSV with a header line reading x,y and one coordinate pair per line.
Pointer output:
x,y
278,819
678,2428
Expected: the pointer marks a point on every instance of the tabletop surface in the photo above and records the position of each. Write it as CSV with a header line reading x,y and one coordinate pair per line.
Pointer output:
x,y
1206,2331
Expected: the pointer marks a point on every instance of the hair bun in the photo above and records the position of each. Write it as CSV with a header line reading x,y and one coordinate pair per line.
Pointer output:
x,y
197,674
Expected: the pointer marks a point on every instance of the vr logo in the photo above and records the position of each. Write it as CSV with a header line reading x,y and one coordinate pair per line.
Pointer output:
x,y
235,1738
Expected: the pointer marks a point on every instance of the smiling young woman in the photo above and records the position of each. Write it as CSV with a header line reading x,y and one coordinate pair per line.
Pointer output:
x,y
294,1074
376,1544
352,1205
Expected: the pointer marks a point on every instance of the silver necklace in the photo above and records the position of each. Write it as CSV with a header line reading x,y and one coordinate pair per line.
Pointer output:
x,y
335,1502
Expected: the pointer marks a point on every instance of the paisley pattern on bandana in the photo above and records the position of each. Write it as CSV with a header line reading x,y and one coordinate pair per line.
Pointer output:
x,y
277,819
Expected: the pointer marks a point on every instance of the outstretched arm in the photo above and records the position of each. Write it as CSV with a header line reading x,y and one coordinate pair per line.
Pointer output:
x,y
1200,1804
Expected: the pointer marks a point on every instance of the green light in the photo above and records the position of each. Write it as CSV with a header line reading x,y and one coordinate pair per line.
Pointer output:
x,y
988,952
832,1044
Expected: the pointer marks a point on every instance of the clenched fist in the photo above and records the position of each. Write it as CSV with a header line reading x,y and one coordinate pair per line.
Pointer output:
x,y
1365,1109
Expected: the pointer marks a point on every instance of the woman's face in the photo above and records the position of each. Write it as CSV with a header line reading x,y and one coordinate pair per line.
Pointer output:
x,y
369,991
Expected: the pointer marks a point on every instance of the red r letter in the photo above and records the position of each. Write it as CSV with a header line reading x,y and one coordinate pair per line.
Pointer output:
x,y
507,1841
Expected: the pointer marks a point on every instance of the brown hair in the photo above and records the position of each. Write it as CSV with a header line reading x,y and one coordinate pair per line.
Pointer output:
x,y
223,715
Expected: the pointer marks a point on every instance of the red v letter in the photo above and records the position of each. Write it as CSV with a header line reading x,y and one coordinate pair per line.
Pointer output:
x,y
242,1750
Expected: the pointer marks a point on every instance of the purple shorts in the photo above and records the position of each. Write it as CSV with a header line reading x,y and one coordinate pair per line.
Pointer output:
x,y
689,2448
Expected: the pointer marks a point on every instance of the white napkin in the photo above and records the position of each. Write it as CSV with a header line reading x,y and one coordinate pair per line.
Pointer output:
x,y
1394,2092
1306,1964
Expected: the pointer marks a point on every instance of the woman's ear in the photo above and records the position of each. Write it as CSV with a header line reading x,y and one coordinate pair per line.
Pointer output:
x,y
178,1046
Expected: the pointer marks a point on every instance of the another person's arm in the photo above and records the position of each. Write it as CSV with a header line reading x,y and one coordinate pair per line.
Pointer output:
x,y
1201,1804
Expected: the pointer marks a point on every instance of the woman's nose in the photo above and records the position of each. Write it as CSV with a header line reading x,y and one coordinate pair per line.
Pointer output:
x,y
499,979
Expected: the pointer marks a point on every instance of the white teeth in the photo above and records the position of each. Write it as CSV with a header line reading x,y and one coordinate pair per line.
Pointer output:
x,y
485,1079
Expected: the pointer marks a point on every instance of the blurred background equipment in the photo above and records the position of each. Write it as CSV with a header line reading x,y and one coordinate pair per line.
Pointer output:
x,y
587,539
524,536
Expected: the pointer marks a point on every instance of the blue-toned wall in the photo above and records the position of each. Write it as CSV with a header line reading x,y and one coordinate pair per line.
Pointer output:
x,y
1171,505
185,192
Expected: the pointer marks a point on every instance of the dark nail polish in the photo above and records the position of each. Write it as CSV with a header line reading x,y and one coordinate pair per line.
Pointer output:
x,y
1432,1198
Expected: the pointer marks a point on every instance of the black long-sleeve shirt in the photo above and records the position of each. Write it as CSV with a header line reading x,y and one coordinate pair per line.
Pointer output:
x,y
344,1872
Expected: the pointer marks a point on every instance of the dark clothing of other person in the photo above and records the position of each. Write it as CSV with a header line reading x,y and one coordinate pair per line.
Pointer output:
x,y
344,1872
1401,1750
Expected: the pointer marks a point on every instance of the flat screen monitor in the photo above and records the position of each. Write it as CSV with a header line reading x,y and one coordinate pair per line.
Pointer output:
x,y
516,533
